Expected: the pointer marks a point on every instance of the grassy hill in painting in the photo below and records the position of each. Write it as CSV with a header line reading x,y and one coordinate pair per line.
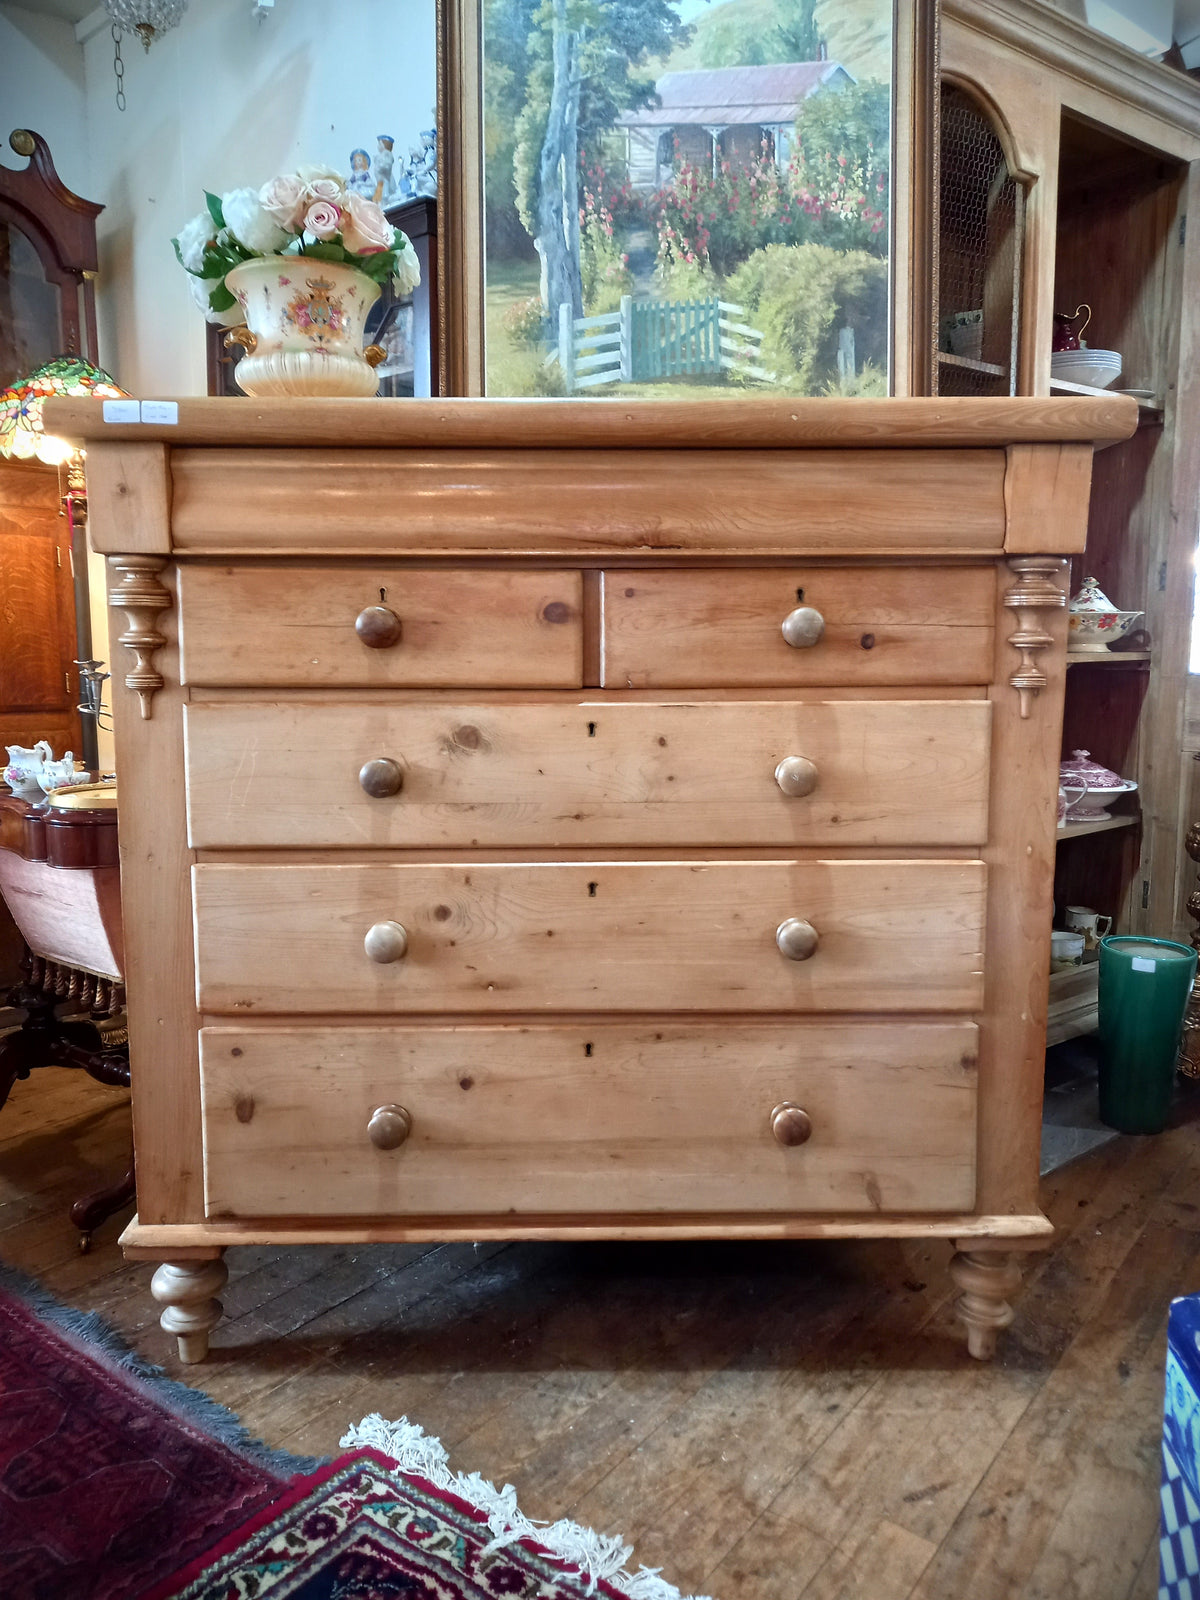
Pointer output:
x,y
857,33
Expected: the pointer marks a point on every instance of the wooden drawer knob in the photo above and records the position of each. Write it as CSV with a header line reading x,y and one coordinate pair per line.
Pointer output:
x,y
381,777
803,627
795,775
789,1124
797,940
378,626
386,941
390,1126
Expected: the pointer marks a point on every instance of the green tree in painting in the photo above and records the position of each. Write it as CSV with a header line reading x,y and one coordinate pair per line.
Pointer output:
x,y
796,36
584,57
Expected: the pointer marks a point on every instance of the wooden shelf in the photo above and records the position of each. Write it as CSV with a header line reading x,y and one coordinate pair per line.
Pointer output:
x,y
1107,658
1149,414
1074,1006
1076,830
990,367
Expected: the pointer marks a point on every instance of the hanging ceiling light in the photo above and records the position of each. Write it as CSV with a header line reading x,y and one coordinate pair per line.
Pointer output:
x,y
149,19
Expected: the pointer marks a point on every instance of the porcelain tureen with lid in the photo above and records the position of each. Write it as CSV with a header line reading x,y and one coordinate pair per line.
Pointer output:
x,y
1095,621
1102,785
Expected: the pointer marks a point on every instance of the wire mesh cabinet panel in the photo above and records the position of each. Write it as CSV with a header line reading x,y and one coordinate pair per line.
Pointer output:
x,y
980,250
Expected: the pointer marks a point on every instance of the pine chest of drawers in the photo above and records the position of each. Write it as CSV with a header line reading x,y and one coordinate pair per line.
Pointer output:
x,y
588,820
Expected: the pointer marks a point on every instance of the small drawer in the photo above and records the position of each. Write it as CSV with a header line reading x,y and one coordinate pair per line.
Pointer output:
x,y
607,772
607,1119
591,936
793,626
359,627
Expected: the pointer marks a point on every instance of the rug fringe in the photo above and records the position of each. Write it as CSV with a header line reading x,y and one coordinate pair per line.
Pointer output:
x,y
596,1555
192,1405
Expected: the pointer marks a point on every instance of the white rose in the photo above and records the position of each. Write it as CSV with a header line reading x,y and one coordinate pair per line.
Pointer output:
x,y
201,289
331,189
194,238
407,273
310,174
365,229
249,221
284,198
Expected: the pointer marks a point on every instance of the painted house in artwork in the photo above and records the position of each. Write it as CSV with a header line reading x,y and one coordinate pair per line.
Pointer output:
x,y
724,113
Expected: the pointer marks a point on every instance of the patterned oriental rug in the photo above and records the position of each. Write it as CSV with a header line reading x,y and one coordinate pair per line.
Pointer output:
x,y
110,1473
393,1523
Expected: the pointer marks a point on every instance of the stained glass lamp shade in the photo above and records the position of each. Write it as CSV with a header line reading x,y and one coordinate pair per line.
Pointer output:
x,y
21,433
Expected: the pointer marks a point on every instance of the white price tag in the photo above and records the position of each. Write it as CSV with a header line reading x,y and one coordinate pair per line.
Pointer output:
x,y
1141,964
122,411
161,411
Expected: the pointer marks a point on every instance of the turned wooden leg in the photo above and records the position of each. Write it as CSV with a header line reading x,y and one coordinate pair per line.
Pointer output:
x,y
986,1279
188,1290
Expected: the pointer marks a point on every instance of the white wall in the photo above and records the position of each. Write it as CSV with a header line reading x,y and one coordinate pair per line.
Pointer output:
x,y
223,101
42,88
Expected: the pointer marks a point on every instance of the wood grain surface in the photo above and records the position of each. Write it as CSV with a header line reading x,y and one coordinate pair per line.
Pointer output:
x,y
553,502
646,936
663,1119
717,424
295,626
883,625
583,773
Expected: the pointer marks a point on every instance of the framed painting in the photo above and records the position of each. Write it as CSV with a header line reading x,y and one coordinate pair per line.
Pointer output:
x,y
686,199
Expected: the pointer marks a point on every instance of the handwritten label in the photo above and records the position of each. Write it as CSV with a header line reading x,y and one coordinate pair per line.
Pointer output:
x,y
164,412
122,411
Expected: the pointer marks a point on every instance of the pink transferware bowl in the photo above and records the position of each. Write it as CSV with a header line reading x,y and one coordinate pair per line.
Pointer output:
x,y
1103,787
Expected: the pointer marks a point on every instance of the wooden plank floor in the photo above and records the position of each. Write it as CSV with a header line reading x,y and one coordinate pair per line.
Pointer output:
x,y
764,1422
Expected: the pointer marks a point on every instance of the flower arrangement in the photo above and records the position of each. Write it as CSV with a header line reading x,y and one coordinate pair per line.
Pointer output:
x,y
309,212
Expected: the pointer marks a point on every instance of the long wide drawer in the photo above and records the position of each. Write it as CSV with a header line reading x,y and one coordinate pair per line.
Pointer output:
x,y
588,773
851,625
387,626
591,936
481,1120
550,502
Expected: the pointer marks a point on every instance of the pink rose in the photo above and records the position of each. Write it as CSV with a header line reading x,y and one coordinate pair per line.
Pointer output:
x,y
284,199
330,189
365,229
322,219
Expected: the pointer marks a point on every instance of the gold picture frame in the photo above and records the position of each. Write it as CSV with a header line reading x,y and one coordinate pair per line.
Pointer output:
x,y
913,192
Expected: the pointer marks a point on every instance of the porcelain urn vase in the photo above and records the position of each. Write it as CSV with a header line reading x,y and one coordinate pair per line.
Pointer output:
x,y
304,327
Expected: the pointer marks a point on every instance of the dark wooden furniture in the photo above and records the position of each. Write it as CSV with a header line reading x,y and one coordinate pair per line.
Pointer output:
x,y
47,263
37,602
60,879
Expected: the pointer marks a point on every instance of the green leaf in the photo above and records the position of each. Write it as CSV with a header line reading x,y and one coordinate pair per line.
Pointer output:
x,y
221,299
325,252
178,252
213,203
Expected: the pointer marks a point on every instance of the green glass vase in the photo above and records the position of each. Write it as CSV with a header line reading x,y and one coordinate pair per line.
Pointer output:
x,y
1144,985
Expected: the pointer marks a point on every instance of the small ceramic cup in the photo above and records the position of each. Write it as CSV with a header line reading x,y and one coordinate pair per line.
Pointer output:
x,y
1093,926
1066,950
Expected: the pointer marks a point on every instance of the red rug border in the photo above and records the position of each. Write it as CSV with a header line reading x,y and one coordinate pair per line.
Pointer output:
x,y
303,1485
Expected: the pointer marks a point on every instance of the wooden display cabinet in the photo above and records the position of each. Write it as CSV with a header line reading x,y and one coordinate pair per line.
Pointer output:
x,y
1105,147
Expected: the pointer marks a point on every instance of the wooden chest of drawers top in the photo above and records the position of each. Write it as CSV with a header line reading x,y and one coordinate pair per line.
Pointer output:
x,y
598,479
